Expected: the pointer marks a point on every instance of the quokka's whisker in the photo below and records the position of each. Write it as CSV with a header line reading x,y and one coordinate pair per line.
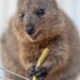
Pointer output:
x,y
14,73
6,78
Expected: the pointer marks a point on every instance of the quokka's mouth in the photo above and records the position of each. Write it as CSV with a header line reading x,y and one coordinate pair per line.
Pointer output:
x,y
34,37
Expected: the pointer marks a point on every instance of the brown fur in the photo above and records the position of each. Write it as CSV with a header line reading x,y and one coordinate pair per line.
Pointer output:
x,y
54,31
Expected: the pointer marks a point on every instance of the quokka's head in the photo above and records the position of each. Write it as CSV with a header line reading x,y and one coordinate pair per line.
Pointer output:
x,y
37,20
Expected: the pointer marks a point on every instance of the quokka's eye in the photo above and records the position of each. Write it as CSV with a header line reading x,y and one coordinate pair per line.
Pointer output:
x,y
21,16
40,12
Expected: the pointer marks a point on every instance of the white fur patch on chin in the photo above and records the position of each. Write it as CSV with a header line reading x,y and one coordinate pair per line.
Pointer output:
x,y
78,78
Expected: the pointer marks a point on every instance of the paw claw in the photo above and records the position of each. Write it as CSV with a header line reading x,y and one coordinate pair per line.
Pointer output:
x,y
31,71
42,78
40,72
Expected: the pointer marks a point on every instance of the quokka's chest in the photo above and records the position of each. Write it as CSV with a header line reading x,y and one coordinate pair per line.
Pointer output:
x,y
31,54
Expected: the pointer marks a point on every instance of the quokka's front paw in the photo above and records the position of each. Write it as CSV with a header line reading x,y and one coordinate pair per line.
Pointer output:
x,y
40,72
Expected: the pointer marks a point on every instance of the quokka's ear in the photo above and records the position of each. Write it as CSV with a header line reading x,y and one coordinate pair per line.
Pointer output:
x,y
20,2
54,1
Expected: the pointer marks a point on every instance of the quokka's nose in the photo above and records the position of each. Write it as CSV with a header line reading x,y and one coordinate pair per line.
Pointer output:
x,y
30,29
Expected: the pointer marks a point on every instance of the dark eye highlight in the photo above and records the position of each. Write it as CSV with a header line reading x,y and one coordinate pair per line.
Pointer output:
x,y
21,16
40,12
